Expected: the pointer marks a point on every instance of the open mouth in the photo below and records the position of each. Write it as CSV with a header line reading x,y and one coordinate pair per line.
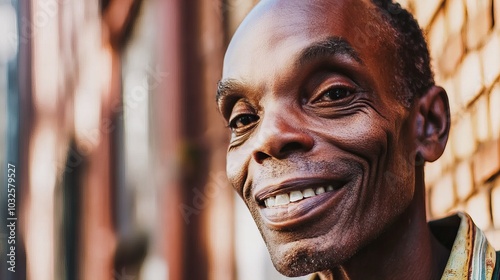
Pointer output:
x,y
297,195
295,202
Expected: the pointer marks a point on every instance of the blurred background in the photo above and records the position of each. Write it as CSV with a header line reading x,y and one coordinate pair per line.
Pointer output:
x,y
107,112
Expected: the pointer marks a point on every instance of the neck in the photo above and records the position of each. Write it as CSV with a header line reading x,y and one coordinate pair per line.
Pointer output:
x,y
407,250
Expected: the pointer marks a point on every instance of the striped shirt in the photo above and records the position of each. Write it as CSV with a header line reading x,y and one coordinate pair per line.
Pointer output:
x,y
471,257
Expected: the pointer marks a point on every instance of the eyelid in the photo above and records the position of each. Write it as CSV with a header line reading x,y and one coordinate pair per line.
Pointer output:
x,y
232,125
323,80
320,93
241,107
337,85
227,103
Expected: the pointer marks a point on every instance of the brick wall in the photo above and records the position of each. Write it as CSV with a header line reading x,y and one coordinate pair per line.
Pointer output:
x,y
464,40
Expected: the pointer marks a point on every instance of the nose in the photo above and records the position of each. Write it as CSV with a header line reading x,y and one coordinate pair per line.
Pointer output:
x,y
281,135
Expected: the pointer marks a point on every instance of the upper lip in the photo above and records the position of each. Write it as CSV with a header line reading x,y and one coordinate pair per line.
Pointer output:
x,y
295,184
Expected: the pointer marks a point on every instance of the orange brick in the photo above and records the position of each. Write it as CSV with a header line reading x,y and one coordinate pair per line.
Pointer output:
x,y
404,3
491,59
449,86
463,142
479,21
459,207
478,207
464,180
493,237
438,76
470,80
495,204
433,172
497,13
425,11
427,206
486,161
495,111
457,83
454,50
442,196
448,156
480,117
437,35
455,15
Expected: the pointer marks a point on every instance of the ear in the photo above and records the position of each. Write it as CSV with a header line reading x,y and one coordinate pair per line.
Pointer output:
x,y
432,123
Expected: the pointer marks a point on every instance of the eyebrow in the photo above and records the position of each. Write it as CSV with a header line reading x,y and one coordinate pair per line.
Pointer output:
x,y
225,87
329,47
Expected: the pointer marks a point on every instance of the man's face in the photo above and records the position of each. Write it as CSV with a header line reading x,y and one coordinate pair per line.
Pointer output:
x,y
321,149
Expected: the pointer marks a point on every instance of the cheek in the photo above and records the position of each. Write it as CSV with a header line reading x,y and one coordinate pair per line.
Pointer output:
x,y
237,167
383,148
382,145
376,144
361,135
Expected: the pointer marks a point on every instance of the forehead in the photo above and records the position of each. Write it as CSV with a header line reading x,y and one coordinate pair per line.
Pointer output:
x,y
275,32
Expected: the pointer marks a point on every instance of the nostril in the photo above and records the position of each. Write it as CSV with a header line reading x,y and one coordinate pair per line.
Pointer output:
x,y
260,157
285,150
281,142
290,147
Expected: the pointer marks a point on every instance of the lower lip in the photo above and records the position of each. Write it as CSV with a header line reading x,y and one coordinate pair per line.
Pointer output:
x,y
298,213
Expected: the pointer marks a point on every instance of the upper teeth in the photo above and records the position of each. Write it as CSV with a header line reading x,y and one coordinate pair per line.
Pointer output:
x,y
293,196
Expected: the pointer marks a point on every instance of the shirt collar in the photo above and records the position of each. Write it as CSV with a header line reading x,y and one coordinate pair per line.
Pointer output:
x,y
471,257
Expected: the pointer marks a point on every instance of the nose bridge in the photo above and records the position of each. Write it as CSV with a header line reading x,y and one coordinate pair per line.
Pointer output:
x,y
278,120
281,133
274,119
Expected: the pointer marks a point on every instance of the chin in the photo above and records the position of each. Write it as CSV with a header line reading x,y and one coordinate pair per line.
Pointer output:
x,y
298,259
297,264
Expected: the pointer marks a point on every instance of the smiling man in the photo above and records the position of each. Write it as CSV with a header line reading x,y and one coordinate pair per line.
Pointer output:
x,y
333,111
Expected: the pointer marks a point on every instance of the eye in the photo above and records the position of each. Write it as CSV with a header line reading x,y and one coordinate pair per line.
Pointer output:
x,y
242,121
335,94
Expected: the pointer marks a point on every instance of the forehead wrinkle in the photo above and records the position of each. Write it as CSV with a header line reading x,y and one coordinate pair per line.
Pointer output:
x,y
330,47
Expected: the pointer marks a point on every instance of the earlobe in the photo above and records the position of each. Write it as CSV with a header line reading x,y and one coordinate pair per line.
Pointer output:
x,y
432,123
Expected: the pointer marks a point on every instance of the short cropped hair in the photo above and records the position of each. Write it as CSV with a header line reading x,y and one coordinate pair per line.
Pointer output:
x,y
414,64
